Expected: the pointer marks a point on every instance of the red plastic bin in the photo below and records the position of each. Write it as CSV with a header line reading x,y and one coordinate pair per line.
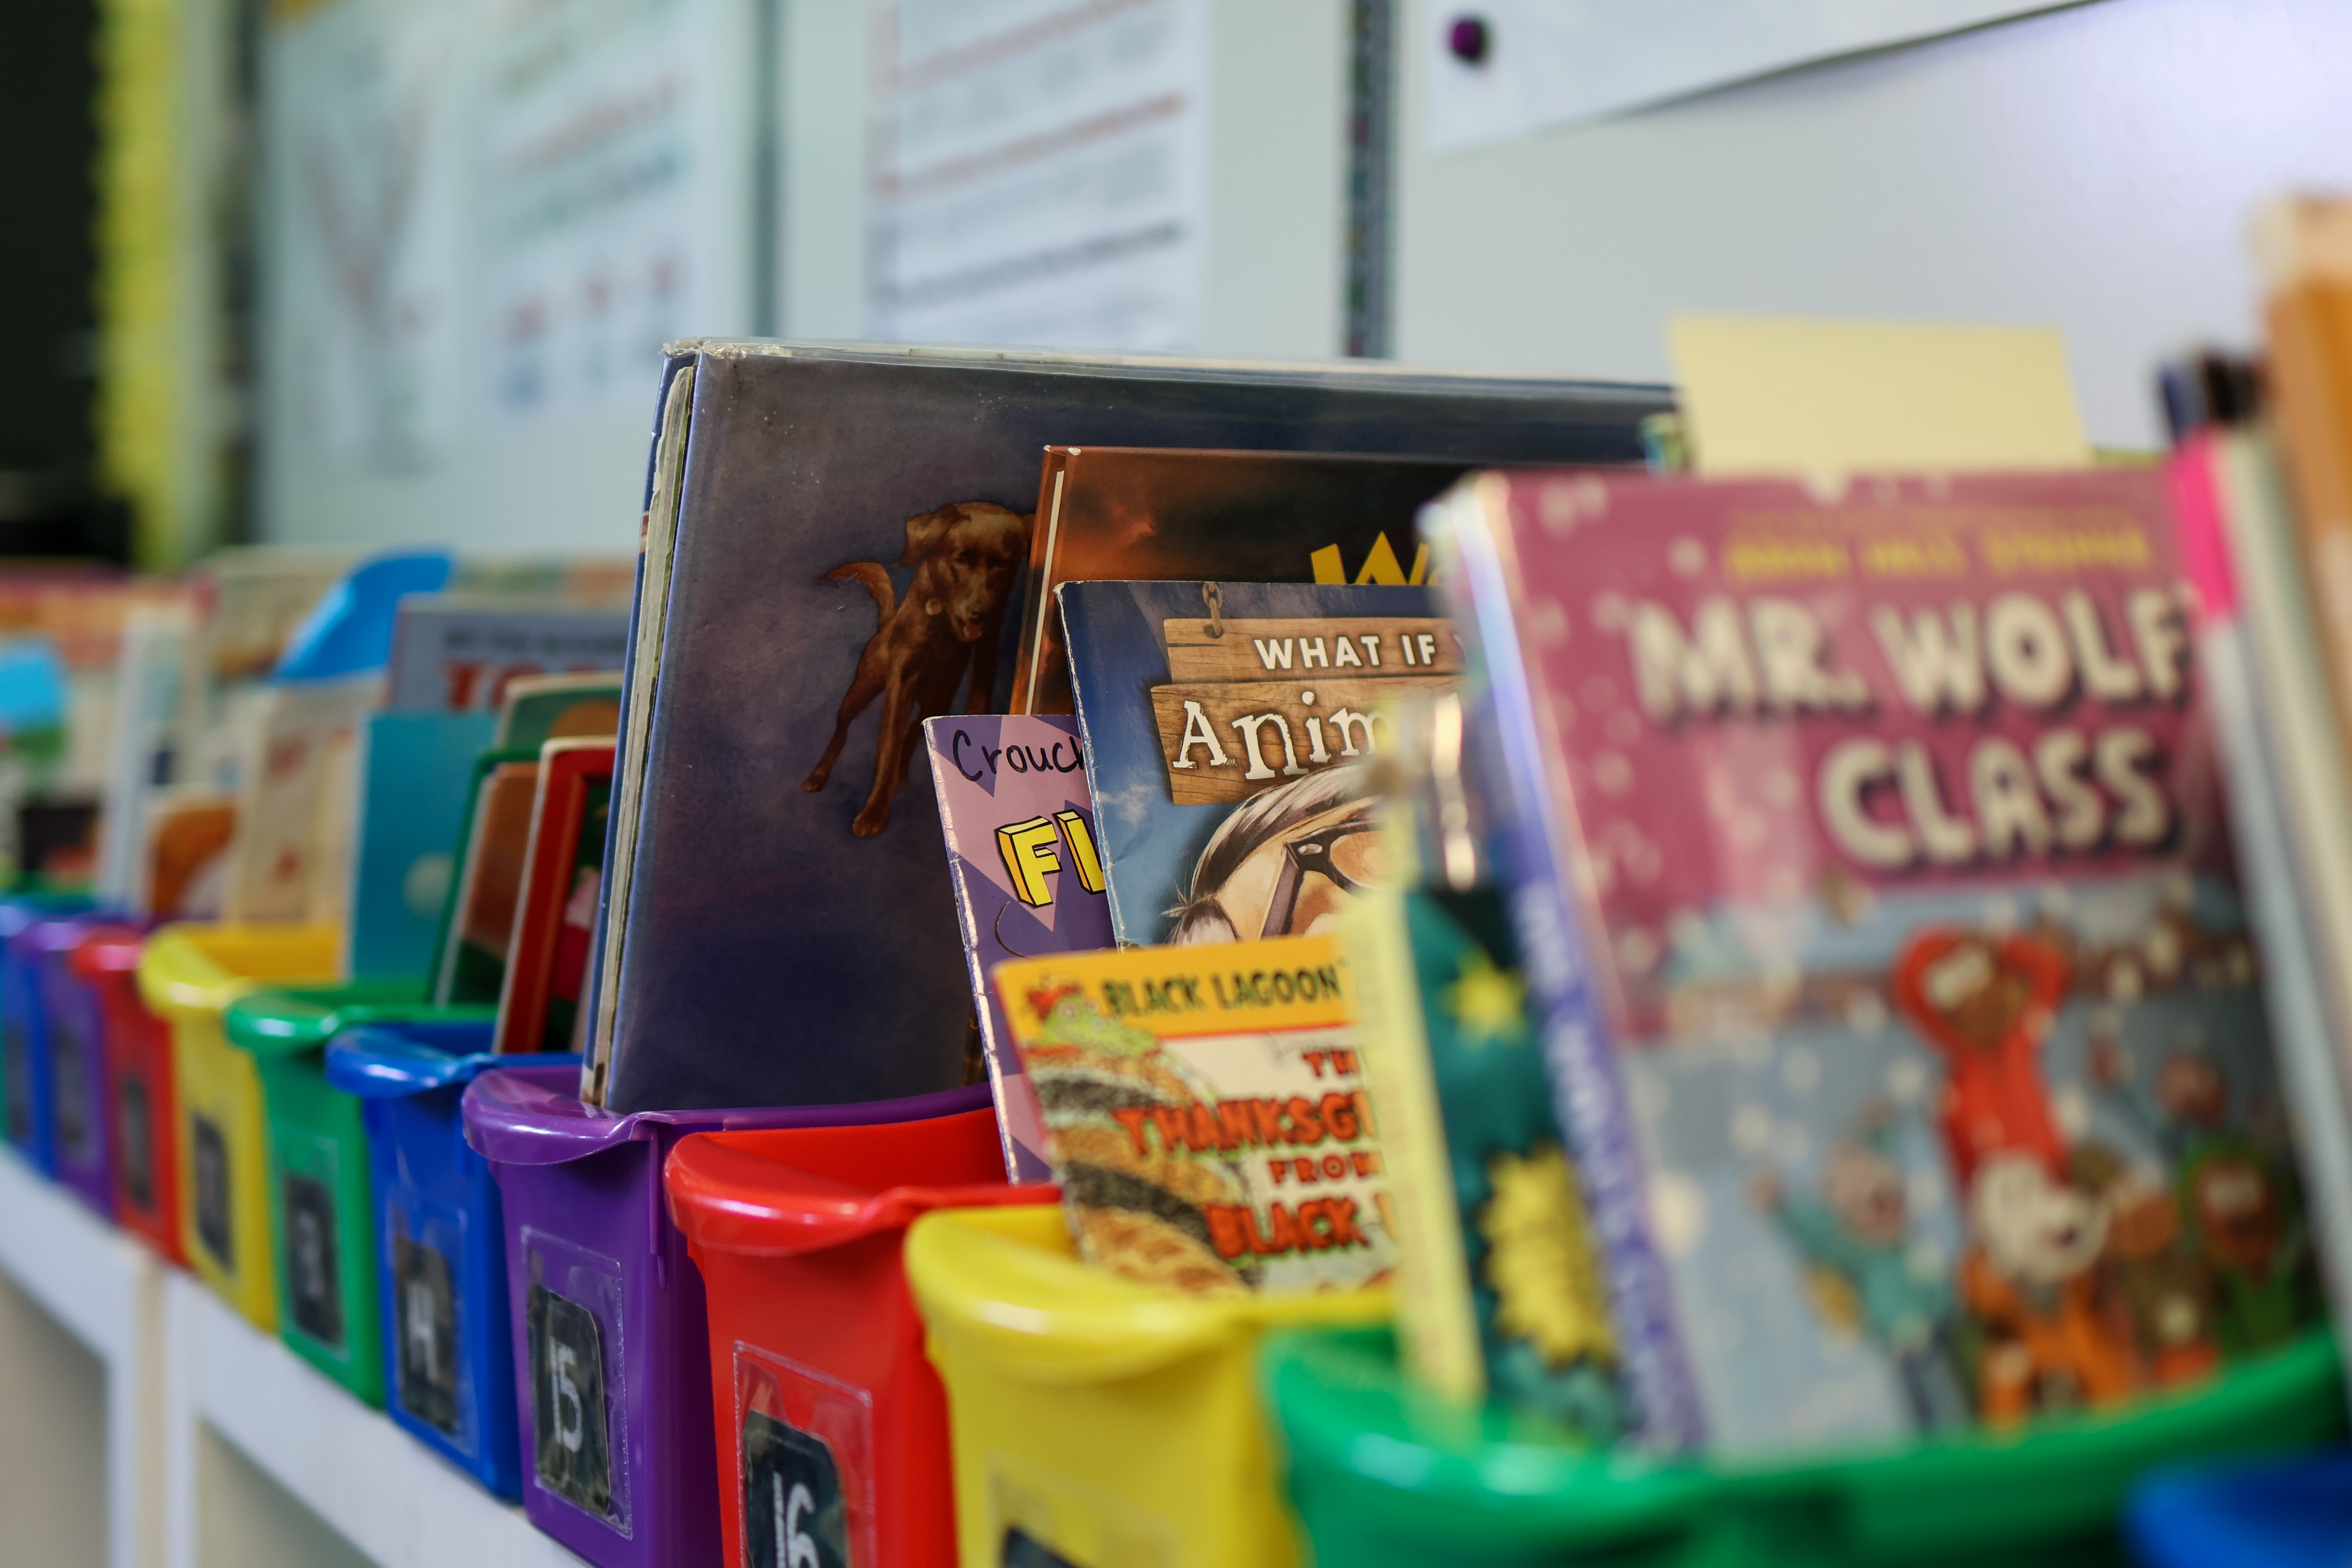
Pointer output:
x,y
831,1419
144,1102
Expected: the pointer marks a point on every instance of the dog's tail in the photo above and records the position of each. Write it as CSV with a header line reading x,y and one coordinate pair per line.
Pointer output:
x,y
873,578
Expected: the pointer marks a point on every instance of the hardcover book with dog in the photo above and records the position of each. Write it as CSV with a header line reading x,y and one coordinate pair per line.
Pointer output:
x,y
1147,514
1916,1059
1028,878
1206,1114
834,551
1229,731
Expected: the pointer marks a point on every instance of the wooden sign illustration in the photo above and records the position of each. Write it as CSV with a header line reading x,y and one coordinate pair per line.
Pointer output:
x,y
1251,703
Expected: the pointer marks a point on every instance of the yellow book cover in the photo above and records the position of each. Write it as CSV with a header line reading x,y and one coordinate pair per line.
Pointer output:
x,y
1205,1112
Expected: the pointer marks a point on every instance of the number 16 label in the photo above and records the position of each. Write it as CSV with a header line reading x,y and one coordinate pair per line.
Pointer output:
x,y
791,1498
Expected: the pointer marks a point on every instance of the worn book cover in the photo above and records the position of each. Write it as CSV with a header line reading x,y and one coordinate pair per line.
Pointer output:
x,y
835,550
1028,878
1229,731
1149,514
1205,1113
1920,1071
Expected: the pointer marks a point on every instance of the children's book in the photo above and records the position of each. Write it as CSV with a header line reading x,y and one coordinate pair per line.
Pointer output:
x,y
1205,1113
182,872
537,708
1229,733
2290,803
416,773
291,857
457,651
1500,1289
1147,514
1896,987
563,859
139,744
835,550
478,921
1028,877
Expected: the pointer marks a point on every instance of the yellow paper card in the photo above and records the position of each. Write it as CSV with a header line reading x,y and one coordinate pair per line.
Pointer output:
x,y
1783,395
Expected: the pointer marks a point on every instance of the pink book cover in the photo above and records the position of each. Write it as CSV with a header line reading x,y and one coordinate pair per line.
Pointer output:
x,y
1902,871
1022,848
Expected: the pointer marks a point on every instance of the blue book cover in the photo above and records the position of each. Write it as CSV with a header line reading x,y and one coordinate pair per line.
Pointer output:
x,y
1229,729
845,558
414,775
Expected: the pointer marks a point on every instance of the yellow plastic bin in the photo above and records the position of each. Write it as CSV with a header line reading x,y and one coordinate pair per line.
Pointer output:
x,y
1096,1419
189,974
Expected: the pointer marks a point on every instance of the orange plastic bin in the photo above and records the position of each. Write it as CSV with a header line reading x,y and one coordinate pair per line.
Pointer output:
x,y
831,1421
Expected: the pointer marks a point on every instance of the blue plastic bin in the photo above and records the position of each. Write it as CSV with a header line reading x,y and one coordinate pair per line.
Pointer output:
x,y
448,1371
2280,1513
25,1064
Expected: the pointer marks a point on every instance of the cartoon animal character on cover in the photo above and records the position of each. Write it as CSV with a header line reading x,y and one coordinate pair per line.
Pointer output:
x,y
1859,1229
1985,1003
2184,1109
2153,1280
2242,1209
947,628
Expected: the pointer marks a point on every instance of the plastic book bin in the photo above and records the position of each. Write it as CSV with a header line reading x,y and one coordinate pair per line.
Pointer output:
x,y
448,1362
143,1105
612,1369
832,1426
1384,1475
189,974
2291,1513
67,1068
1096,1419
24,1026
321,1211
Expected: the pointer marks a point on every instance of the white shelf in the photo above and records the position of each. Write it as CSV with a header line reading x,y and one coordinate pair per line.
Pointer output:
x,y
103,1288
181,1363
380,1488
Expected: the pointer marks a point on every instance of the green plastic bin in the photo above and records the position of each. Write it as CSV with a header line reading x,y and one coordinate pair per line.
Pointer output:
x,y
1384,1474
322,1216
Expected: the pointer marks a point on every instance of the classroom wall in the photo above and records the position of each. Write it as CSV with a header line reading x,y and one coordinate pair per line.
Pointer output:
x,y
2091,169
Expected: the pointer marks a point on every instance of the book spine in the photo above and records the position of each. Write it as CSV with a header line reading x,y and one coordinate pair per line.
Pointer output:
x,y
2287,803
1437,1314
2304,249
1506,728
592,1027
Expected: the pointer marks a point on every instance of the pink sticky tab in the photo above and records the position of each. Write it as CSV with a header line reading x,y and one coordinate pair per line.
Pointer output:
x,y
2193,483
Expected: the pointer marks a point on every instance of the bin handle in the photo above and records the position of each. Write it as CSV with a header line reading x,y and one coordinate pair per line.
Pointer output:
x,y
1049,1319
724,1198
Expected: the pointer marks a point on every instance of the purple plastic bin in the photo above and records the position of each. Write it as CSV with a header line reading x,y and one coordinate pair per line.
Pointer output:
x,y
78,1101
611,1363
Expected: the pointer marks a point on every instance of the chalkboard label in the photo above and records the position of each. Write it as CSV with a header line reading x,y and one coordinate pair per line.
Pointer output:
x,y
1022,1550
792,1514
134,1125
424,1311
16,1082
314,1291
70,1087
209,1155
570,1436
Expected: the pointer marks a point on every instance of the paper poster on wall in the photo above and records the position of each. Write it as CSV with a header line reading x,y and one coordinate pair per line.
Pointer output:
x,y
1038,172
1499,70
365,133
617,193
486,215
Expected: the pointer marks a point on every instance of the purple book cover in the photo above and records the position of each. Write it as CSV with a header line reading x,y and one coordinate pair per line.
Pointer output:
x,y
1932,1071
1028,878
